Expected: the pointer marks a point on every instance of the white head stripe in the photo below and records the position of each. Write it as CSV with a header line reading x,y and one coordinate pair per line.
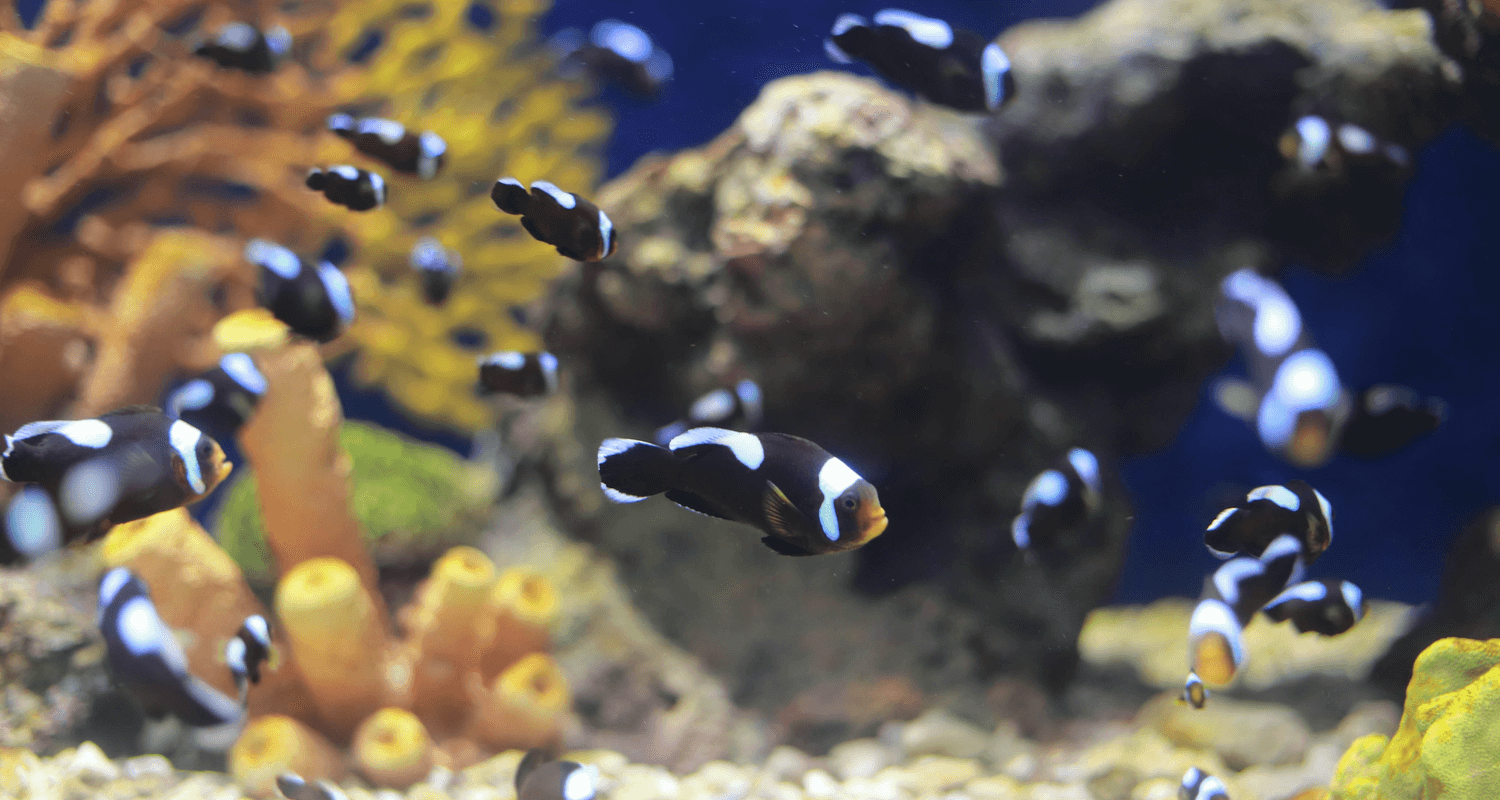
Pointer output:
x,y
273,257
1280,495
1313,136
1086,464
31,522
1211,789
1327,509
1192,777
90,433
506,359
259,630
834,478
389,131
563,199
432,144
1049,488
1213,616
1223,515
184,439
1354,597
191,396
606,233
428,254
580,784
934,33
716,406
242,369
993,65
337,287
379,184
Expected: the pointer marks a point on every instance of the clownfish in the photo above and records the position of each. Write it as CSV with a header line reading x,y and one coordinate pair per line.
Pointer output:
x,y
520,374
437,267
806,501
1216,642
124,465
1267,513
250,647
1327,606
538,777
1194,693
351,187
951,67
294,787
146,659
720,408
1387,418
241,46
578,229
388,141
1199,785
221,399
1314,143
614,52
1058,499
313,301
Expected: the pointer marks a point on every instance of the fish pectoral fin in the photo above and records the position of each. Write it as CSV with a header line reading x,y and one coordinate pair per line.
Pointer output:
x,y
784,518
693,502
784,547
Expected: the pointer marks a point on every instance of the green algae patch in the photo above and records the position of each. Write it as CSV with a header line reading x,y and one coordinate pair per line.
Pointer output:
x,y
412,499
1448,743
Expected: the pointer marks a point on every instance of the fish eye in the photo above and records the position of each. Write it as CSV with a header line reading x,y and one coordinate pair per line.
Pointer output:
x,y
848,503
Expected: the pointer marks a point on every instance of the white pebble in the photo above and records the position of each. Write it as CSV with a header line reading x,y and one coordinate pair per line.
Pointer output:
x,y
148,766
859,758
90,765
818,783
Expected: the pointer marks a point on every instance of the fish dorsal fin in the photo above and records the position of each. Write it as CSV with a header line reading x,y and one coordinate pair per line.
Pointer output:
x,y
747,447
31,429
783,547
693,502
534,758
784,518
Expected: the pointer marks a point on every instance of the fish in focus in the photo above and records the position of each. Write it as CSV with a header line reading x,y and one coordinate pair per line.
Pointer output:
x,y
520,374
313,302
806,501
739,408
221,399
145,658
1387,418
1199,785
1267,513
951,67
1194,693
389,142
124,465
538,777
437,267
1058,500
1329,607
244,47
578,229
351,187
614,52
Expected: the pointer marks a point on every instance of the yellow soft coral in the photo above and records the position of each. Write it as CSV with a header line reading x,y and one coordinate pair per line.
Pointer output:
x,y
1448,743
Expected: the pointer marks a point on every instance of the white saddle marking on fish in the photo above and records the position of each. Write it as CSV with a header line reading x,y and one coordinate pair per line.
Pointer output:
x,y
346,172
1280,495
1311,592
506,359
273,257
563,198
934,33
746,447
389,131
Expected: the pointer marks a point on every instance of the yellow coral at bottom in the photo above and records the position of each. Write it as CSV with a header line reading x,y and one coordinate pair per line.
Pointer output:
x,y
1448,743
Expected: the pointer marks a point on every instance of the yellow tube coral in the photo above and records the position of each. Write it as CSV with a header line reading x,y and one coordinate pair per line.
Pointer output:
x,y
518,614
523,708
275,744
392,748
338,638
443,637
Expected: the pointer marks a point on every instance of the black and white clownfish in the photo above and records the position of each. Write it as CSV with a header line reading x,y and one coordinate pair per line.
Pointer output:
x,y
294,787
614,52
578,229
221,399
539,777
313,301
388,141
805,500
1315,143
1231,596
241,46
1267,513
249,648
1194,693
146,659
951,67
516,373
437,267
1327,606
1216,642
720,408
1058,499
124,465
351,187
1387,418
1199,785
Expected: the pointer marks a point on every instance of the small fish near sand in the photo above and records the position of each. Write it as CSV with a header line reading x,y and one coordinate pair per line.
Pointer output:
x,y
242,46
313,301
221,399
578,229
351,187
393,144
945,65
145,658
518,374
539,777
1194,693
806,501
125,465
614,52
739,408
437,268
1199,785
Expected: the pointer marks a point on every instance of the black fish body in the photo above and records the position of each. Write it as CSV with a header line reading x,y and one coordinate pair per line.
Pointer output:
x,y
1327,606
221,399
519,374
242,46
351,187
313,301
1058,499
1199,785
805,500
948,66
578,229
437,268
1388,418
1268,512
391,143
538,777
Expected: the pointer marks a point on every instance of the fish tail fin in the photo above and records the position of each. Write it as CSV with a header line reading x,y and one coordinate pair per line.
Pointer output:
x,y
631,470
